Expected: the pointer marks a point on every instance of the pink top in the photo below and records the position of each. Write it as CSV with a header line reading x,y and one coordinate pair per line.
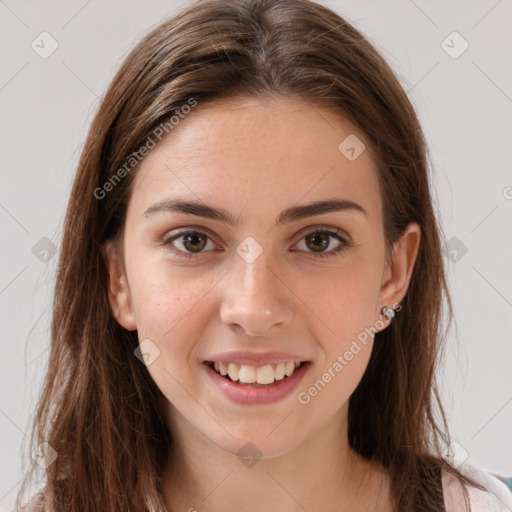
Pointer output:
x,y
497,499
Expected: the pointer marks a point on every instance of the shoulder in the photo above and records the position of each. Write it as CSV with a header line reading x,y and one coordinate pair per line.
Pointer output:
x,y
497,498
36,503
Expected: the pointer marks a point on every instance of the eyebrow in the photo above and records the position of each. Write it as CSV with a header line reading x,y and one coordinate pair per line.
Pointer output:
x,y
292,214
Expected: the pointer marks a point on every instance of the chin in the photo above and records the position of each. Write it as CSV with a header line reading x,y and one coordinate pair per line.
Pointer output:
x,y
256,444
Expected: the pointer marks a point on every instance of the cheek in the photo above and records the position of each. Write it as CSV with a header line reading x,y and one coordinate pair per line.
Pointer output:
x,y
342,300
335,377
169,301
171,306
341,309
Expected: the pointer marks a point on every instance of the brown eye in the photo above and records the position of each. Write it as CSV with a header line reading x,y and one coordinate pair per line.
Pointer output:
x,y
194,241
318,241
189,243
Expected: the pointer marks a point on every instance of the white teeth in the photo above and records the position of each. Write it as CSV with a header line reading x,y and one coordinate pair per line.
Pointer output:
x,y
223,368
289,368
248,374
233,370
279,371
265,374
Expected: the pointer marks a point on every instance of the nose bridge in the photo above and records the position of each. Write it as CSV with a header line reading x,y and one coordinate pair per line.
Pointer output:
x,y
255,280
254,297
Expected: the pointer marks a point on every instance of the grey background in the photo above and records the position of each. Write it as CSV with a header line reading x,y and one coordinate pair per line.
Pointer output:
x,y
464,104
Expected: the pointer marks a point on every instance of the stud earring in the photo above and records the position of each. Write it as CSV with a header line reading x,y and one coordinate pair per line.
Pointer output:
x,y
388,313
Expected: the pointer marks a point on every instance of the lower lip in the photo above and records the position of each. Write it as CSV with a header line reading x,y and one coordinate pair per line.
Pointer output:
x,y
254,396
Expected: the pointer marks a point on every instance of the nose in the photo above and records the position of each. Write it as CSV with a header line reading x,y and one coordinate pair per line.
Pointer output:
x,y
256,299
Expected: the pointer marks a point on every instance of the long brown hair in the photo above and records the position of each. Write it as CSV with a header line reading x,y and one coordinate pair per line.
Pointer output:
x,y
99,408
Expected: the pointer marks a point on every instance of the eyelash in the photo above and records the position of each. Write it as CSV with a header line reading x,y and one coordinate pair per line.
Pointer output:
x,y
344,243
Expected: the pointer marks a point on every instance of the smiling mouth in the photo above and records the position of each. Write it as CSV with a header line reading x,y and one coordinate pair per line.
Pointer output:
x,y
255,376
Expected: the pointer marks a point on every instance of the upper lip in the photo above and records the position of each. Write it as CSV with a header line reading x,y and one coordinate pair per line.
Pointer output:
x,y
254,358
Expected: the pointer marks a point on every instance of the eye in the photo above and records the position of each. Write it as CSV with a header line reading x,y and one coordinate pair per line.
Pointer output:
x,y
189,243
320,239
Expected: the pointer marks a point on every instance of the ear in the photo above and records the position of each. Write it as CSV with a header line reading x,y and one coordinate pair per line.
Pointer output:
x,y
397,274
118,291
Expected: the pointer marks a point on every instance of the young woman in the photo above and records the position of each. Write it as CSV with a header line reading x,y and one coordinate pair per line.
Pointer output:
x,y
248,307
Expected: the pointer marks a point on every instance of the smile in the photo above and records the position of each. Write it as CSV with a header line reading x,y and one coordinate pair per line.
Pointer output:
x,y
249,374
252,385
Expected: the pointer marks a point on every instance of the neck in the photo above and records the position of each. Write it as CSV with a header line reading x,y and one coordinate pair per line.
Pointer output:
x,y
322,473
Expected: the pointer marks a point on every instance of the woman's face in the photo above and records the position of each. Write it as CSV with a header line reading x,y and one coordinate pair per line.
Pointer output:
x,y
251,289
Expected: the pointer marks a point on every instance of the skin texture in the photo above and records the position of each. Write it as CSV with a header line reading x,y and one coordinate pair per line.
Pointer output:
x,y
256,158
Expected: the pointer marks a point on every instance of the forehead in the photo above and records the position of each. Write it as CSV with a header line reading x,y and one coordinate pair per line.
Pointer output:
x,y
268,153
